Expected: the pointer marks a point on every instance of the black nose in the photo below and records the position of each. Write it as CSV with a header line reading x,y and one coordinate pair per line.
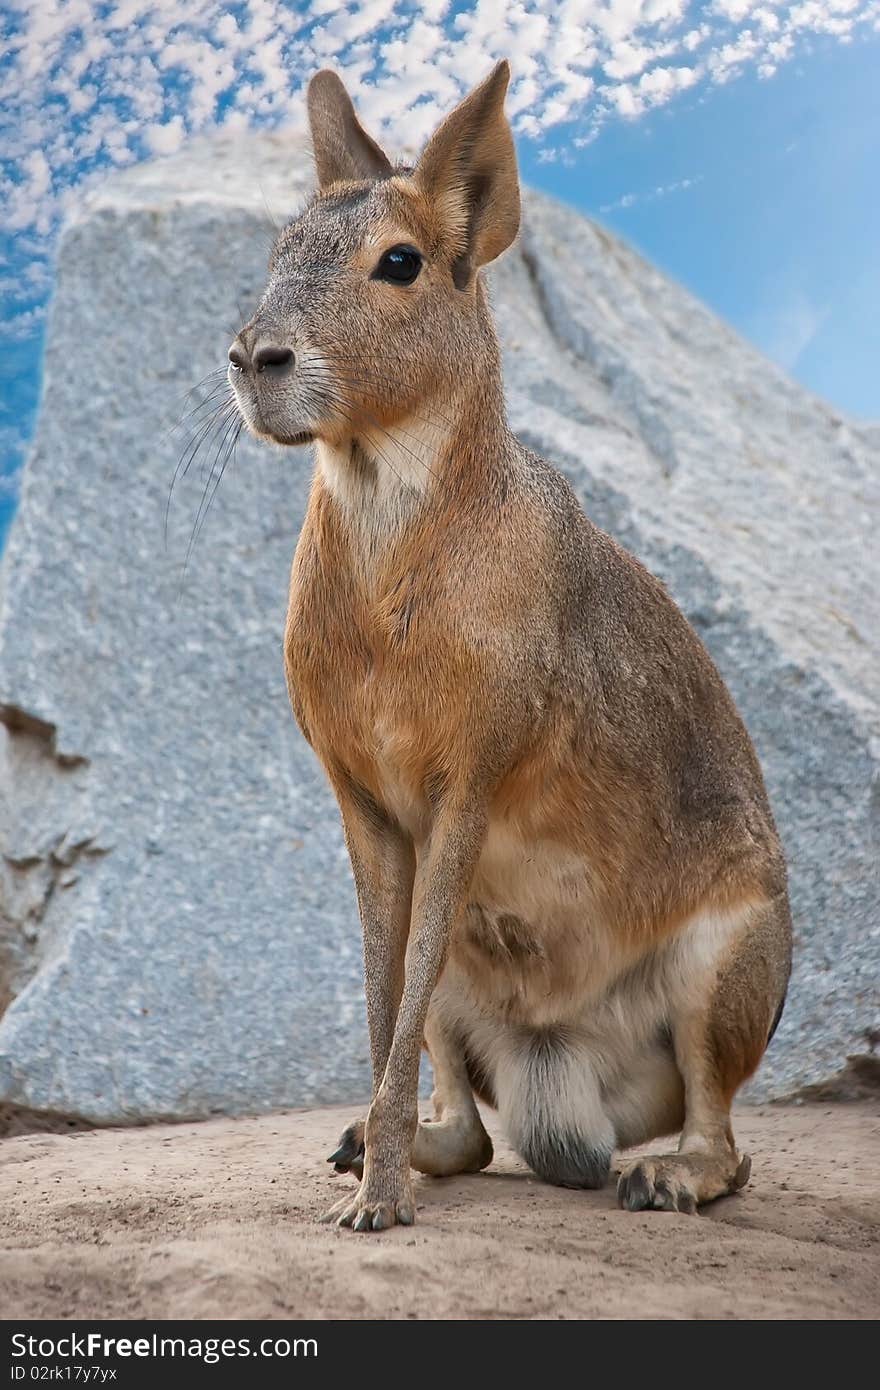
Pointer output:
x,y
271,358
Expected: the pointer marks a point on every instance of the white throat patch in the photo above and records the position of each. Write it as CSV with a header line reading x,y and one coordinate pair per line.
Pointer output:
x,y
381,479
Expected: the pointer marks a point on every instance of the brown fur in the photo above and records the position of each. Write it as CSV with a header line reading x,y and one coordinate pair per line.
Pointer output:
x,y
568,874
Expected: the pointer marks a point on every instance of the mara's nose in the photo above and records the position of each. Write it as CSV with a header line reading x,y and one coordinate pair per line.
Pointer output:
x,y
268,357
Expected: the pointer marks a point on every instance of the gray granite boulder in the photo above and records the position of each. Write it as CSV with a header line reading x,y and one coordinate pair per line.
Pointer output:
x,y
178,933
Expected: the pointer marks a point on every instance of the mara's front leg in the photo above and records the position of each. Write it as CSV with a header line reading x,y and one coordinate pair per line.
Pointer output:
x,y
455,1141
383,865
385,1197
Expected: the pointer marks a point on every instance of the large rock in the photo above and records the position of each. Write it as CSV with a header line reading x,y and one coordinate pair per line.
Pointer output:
x,y
178,931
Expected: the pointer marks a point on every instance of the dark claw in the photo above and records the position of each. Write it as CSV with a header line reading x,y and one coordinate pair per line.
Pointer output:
x,y
634,1192
687,1203
743,1172
664,1197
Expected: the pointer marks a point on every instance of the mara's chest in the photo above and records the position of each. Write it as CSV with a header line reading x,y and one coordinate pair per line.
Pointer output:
x,y
371,682
407,666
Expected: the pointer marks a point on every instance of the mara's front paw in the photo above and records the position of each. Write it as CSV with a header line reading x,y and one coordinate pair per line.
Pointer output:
x,y
376,1206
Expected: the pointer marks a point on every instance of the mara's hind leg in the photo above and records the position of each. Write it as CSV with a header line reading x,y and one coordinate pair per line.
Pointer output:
x,y
718,1042
455,1141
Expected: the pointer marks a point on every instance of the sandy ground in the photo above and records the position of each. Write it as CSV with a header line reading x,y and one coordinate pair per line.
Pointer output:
x,y
220,1220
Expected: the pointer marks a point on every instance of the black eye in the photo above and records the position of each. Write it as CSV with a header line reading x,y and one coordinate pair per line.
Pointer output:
x,y
400,265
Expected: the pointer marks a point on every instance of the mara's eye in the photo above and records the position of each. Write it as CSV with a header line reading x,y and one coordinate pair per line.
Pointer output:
x,y
400,265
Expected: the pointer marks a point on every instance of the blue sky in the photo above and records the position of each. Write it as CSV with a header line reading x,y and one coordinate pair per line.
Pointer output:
x,y
736,143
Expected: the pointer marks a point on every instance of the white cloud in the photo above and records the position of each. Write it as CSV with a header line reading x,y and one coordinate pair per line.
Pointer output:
x,y
629,59
84,88
28,197
734,10
165,137
650,195
22,325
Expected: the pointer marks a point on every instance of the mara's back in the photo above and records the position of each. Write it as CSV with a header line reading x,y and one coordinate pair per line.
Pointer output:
x,y
639,704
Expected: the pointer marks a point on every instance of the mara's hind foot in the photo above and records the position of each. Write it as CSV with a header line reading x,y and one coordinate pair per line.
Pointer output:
x,y
455,1143
682,1181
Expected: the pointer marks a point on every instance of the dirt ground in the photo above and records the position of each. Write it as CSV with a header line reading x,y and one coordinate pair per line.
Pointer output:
x,y
219,1220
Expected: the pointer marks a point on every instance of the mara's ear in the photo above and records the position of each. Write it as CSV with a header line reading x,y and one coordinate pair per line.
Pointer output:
x,y
343,149
468,172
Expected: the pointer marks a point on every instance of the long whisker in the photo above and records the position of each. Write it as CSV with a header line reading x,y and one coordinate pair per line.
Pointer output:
x,y
208,491
222,414
195,441
369,384
207,402
205,432
328,378
363,360
381,378
399,430
217,387
338,406
226,456
376,424
191,390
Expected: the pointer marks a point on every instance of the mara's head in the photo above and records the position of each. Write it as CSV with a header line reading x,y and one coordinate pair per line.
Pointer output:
x,y
374,305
